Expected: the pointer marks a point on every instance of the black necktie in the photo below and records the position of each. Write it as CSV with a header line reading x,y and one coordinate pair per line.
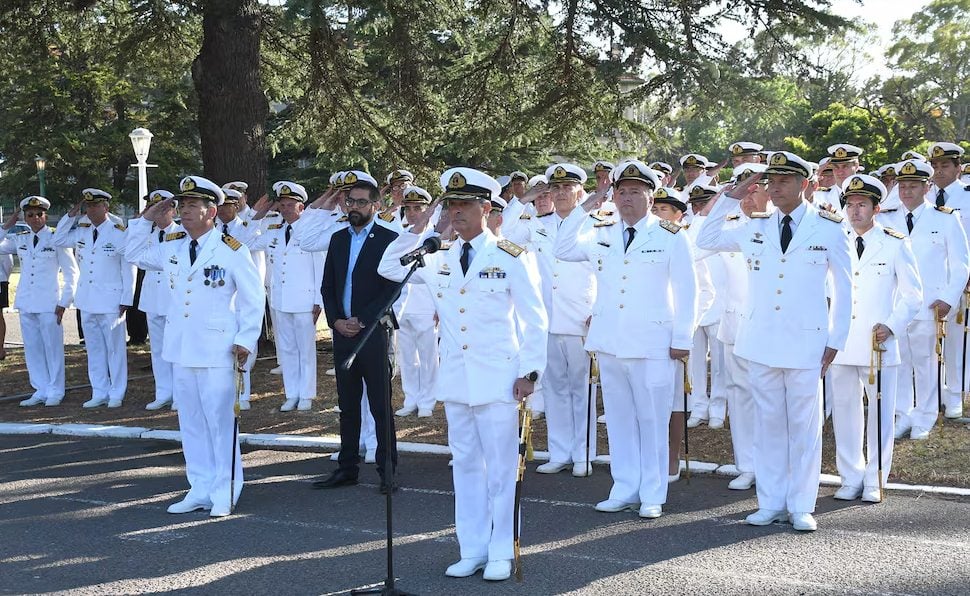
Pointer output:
x,y
909,222
192,246
785,232
161,236
940,198
466,250
859,246
630,233
225,229
95,237
36,240
286,234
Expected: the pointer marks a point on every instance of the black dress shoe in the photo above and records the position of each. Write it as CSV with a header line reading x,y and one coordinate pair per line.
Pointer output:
x,y
336,479
388,486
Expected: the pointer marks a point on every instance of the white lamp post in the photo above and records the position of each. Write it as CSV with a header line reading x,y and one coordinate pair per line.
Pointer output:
x,y
141,141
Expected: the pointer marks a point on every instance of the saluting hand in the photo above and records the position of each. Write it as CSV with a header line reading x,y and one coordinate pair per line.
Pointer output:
x,y
419,221
12,220
535,192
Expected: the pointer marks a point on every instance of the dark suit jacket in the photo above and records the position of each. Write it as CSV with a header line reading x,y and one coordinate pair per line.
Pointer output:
x,y
370,291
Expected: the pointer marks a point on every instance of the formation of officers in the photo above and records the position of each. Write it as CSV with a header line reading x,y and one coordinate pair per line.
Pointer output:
x,y
792,292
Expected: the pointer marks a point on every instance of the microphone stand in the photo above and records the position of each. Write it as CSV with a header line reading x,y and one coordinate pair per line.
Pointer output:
x,y
388,588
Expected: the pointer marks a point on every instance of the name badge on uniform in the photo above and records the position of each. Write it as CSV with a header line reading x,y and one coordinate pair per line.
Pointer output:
x,y
817,247
542,232
606,244
47,249
445,270
491,273
757,240
173,260
653,250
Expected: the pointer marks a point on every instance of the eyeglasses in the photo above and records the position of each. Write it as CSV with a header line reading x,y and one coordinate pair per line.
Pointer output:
x,y
358,202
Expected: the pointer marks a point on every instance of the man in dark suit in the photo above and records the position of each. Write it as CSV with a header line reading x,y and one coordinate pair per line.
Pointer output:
x,y
353,295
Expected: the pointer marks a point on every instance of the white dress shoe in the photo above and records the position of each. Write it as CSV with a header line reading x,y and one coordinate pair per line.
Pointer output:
x,y
919,433
186,505
902,429
582,469
715,423
671,478
538,415
371,456
220,511
695,421
870,494
496,571
158,404
335,456
425,413
289,405
32,401
765,517
954,411
305,405
803,522
95,402
276,371
466,567
615,505
115,403
53,401
331,372
601,419
244,404
651,511
552,467
848,493
744,481
406,411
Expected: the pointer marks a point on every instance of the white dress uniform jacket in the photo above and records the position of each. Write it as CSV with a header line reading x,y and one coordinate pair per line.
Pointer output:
x,y
106,279
297,274
38,290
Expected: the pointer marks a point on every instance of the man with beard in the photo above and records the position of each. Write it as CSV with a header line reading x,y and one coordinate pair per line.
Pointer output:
x,y
353,294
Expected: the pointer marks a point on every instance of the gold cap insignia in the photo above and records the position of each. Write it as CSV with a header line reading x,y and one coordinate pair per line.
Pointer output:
x,y
559,173
908,169
778,159
285,190
33,203
88,196
856,184
736,149
691,161
661,194
938,151
188,184
890,172
350,178
841,153
696,191
457,181
631,170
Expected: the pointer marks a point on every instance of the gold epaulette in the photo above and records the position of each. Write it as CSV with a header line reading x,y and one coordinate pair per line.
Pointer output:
x,y
734,217
525,216
670,226
24,232
175,236
823,189
760,215
603,224
120,227
830,216
231,242
387,216
944,209
893,233
278,226
342,219
84,225
510,247
604,213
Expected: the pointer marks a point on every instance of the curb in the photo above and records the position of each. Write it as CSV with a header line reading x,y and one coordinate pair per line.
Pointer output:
x,y
331,442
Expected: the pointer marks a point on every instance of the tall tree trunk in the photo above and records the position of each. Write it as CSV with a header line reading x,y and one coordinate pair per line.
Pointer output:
x,y
232,106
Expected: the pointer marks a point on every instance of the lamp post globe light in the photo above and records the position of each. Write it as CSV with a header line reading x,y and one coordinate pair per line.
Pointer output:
x,y
41,164
141,141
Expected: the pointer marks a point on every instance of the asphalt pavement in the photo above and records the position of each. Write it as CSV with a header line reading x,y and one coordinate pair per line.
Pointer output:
x,y
88,516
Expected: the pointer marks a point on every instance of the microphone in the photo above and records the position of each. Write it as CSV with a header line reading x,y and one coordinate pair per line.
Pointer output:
x,y
430,245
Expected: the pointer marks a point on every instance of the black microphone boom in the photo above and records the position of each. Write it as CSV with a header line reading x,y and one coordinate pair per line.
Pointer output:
x,y
430,245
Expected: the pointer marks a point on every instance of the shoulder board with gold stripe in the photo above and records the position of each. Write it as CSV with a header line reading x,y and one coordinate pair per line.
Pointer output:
x,y
23,233
545,214
84,225
604,213
342,219
175,236
120,227
760,215
510,247
231,242
830,216
734,217
893,233
387,216
670,226
274,226
525,216
823,188
445,246
603,224
944,209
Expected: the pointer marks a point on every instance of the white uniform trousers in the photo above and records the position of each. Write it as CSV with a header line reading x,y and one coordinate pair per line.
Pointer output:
x,y
917,373
788,414
859,468
955,358
104,338
205,399
701,404
247,389
296,348
741,410
565,385
484,442
368,427
417,359
44,353
161,368
636,396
